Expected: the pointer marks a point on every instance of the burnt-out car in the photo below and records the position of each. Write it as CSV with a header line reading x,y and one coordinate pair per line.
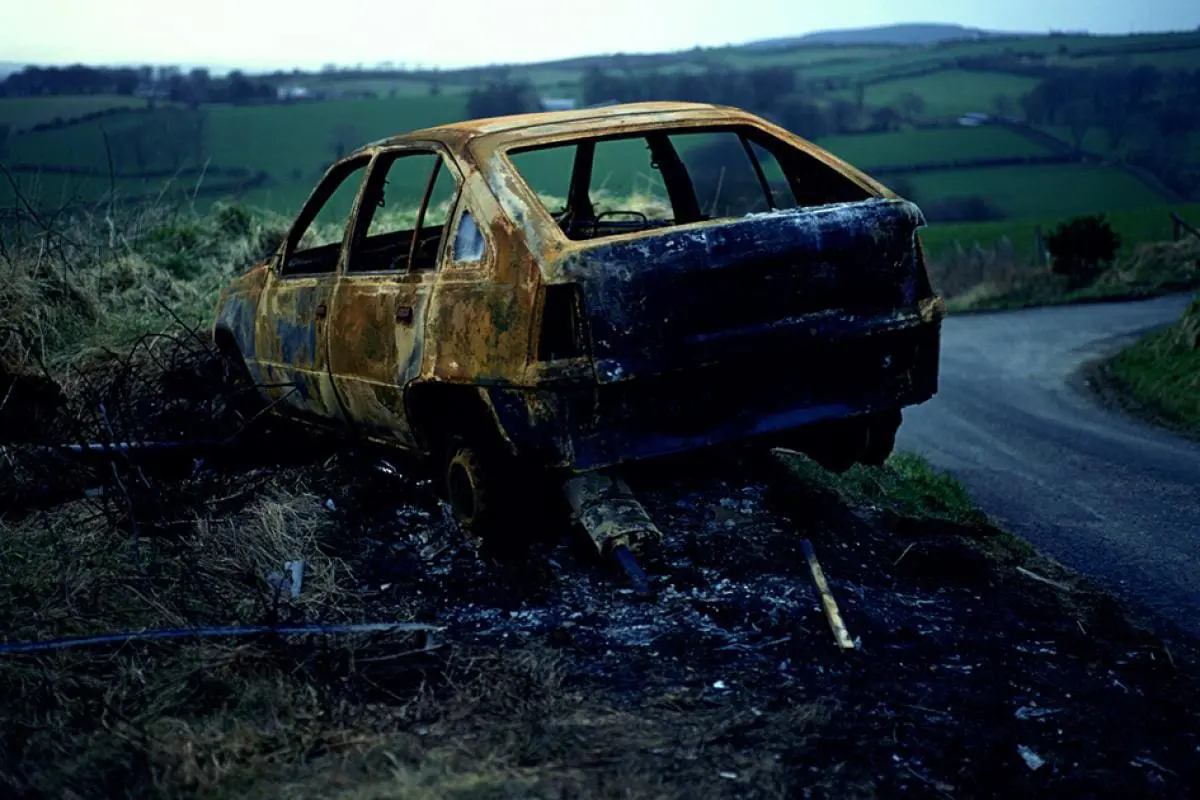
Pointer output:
x,y
575,290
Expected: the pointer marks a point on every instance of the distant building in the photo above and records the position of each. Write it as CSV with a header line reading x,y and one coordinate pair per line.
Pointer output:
x,y
974,119
151,93
293,93
557,103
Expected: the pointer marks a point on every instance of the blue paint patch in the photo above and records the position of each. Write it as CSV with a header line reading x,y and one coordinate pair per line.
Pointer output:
x,y
297,342
237,316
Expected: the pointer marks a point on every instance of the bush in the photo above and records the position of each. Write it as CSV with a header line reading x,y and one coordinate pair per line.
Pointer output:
x,y
1082,247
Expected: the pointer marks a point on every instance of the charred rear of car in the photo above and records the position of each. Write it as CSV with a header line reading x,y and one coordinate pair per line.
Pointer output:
x,y
777,298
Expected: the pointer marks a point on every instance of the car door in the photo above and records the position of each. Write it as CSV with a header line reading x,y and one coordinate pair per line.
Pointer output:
x,y
291,351
377,320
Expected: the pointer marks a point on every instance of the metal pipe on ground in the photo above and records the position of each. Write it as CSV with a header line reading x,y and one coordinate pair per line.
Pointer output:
x,y
614,520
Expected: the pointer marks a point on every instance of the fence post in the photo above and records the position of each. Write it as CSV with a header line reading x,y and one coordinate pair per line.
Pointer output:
x,y
1039,247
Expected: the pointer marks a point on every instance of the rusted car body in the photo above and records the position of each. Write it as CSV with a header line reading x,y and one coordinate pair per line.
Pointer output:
x,y
581,338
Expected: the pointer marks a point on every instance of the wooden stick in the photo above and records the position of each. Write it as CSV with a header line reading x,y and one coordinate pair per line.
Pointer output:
x,y
831,610
1031,574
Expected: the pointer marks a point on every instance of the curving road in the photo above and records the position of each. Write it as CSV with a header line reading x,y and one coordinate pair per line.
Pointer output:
x,y
1101,492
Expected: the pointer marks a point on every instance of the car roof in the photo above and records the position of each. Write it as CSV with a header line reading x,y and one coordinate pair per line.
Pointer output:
x,y
582,120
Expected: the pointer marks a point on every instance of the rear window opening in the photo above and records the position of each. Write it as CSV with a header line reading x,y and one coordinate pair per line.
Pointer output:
x,y
605,186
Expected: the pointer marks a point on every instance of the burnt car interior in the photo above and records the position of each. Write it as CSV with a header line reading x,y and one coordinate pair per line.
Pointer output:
x,y
385,238
315,251
678,177
384,242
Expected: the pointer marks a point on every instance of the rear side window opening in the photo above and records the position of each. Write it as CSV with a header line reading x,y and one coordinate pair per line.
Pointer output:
x,y
604,186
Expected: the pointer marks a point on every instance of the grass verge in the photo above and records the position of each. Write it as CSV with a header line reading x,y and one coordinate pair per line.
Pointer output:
x,y
1159,376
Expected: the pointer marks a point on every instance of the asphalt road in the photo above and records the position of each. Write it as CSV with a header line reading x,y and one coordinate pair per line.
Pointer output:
x,y
1103,493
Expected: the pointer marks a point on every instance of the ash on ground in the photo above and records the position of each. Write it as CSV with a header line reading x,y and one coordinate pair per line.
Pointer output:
x,y
967,677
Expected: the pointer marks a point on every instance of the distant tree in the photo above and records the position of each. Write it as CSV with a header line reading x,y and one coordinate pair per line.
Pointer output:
x,y
197,88
599,86
1142,84
344,138
4,131
240,90
860,95
1082,247
1004,106
1175,122
844,115
501,98
803,117
766,85
910,105
1079,116
885,118
125,81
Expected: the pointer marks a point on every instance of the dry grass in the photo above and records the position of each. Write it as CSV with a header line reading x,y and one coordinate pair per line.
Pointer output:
x,y
76,283
73,572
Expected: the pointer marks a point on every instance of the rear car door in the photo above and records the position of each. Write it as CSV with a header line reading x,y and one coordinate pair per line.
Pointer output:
x,y
377,319
290,333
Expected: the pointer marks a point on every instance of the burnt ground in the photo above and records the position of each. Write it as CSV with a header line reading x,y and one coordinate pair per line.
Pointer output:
x,y
962,664
550,677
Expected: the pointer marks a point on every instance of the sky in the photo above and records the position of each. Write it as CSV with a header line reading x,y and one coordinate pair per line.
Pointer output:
x,y
272,34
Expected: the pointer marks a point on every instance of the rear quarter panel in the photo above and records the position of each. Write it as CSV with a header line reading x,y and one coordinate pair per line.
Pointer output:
x,y
479,326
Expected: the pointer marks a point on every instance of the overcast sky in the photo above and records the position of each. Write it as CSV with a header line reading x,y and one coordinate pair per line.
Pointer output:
x,y
262,34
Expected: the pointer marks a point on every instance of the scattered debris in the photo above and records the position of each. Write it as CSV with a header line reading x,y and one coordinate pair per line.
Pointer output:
x,y
1033,712
1032,759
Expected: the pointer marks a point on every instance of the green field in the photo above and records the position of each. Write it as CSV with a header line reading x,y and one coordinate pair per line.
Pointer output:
x,y
918,147
1096,140
951,92
1168,60
277,138
402,87
293,143
54,191
21,113
1148,224
1034,192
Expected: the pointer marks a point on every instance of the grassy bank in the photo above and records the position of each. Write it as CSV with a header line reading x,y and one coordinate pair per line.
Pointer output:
x,y
72,286
987,280
1160,375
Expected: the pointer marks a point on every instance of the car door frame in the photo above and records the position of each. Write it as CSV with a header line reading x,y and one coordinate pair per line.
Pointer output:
x,y
291,327
378,317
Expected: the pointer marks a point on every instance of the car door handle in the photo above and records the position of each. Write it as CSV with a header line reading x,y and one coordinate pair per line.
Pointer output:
x,y
404,315
321,311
